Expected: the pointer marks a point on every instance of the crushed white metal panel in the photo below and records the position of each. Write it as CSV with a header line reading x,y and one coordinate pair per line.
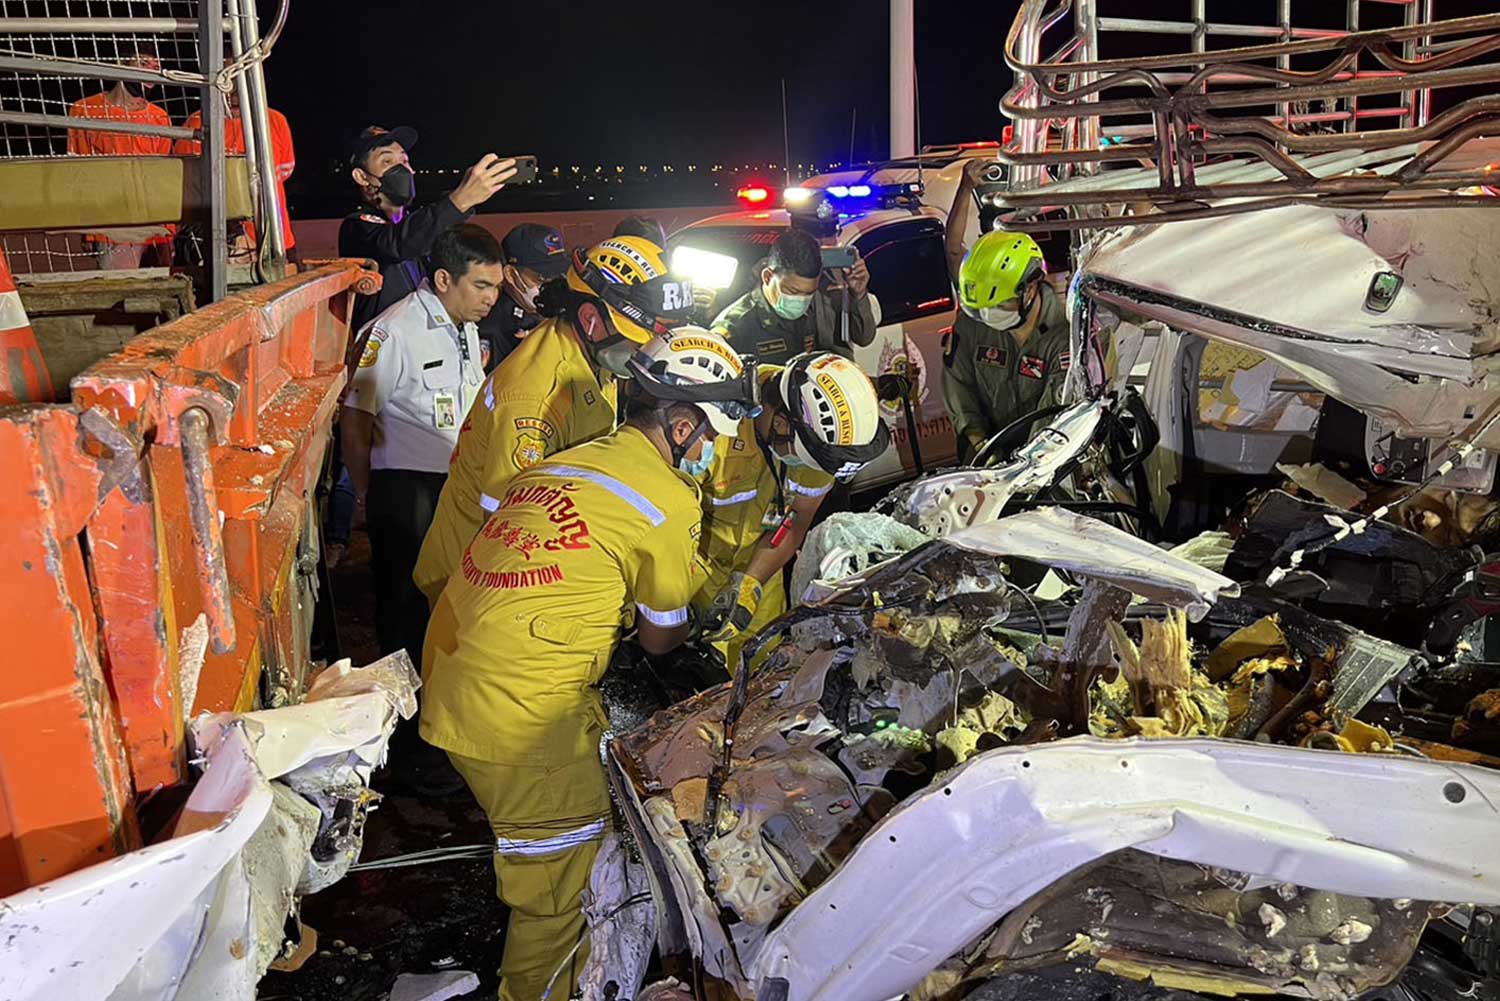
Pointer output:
x,y
951,860
1441,320
1068,541
338,718
948,502
1435,405
197,917
621,915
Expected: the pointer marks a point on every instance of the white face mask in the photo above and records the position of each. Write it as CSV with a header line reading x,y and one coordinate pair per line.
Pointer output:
x,y
1000,317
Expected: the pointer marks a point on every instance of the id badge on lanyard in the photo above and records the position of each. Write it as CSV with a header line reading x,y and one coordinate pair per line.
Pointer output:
x,y
444,411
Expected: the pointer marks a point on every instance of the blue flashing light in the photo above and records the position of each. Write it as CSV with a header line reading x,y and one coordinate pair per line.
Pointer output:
x,y
859,191
839,190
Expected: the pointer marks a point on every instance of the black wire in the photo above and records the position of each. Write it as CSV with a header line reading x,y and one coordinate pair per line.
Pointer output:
x,y
1035,611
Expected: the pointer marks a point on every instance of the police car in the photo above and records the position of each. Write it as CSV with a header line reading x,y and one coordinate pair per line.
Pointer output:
x,y
893,214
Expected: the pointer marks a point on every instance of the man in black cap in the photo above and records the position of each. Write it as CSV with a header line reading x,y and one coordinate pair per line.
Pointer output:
x,y
534,255
383,230
644,227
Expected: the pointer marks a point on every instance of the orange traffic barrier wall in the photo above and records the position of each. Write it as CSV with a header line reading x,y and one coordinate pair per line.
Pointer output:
x,y
158,550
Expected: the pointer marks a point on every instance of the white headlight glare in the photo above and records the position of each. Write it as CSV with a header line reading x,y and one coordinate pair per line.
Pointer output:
x,y
704,267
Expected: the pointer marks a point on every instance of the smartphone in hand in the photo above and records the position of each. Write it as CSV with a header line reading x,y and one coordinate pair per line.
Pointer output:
x,y
838,257
525,170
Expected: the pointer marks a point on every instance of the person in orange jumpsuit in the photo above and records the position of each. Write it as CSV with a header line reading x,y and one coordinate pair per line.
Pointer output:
x,y
283,155
126,101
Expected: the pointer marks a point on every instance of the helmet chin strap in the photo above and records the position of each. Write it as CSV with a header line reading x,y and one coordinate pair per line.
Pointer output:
x,y
586,332
678,451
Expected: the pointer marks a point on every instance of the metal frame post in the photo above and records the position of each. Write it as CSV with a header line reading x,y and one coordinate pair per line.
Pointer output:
x,y
253,113
1351,103
1086,29
254,158
1418,102
211,162
1426,13
1284,62
1028,131
903,78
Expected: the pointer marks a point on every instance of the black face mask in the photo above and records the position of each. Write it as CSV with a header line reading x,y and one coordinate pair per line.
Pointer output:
x,y
399,184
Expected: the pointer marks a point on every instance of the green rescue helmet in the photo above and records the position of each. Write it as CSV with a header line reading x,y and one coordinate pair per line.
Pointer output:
x,y
997,270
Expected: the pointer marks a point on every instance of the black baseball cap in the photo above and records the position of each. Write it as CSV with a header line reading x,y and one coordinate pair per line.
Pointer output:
x,y
374,137
538,247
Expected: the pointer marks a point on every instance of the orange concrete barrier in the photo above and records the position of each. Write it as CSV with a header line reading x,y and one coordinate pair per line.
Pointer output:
x,y
158,538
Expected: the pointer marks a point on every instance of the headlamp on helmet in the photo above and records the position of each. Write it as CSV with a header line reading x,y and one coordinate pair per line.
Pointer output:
x,y
835,414
697,366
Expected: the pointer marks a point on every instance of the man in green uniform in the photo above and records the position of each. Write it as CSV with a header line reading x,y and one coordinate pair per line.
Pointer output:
x,y
1008,353
794,310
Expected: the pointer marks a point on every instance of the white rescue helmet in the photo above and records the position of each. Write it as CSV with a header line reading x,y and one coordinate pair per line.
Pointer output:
x,y
835,414
697,366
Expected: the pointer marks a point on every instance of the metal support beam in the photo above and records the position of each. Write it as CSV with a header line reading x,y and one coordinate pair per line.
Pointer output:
x,y
95,70
1086,30
1351,103
903,78
1409,51
254,114
1214,28
211,162
255,161
97,125
1284,61
97,25
1423,102
1029,136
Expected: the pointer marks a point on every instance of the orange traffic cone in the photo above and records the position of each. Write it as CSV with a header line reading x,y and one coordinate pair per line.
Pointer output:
x,y
23,374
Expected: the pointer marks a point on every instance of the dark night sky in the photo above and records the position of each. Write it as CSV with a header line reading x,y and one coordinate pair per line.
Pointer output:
x,y
596,82
588,81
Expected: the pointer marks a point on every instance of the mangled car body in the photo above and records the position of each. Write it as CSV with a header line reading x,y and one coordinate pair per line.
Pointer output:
x,y
894,804
1017,732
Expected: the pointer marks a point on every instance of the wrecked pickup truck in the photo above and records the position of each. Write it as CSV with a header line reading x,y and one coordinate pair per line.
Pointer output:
x,y
937,779
1189,685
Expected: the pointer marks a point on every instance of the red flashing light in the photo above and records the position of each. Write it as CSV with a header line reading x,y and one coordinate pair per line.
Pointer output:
x,y
754,194
1007,134
987,144
946,302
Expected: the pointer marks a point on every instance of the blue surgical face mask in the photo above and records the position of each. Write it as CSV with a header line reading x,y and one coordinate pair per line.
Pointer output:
x,y
792,459
789,306
696,468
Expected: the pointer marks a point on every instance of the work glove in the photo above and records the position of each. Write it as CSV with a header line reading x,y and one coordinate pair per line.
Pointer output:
x,y
732,608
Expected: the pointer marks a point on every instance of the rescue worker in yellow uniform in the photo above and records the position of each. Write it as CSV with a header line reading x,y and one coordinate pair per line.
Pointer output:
x,y
555,390
526,628
820,421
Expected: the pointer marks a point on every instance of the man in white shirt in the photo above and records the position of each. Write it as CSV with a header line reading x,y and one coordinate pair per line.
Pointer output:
x,y
420,370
